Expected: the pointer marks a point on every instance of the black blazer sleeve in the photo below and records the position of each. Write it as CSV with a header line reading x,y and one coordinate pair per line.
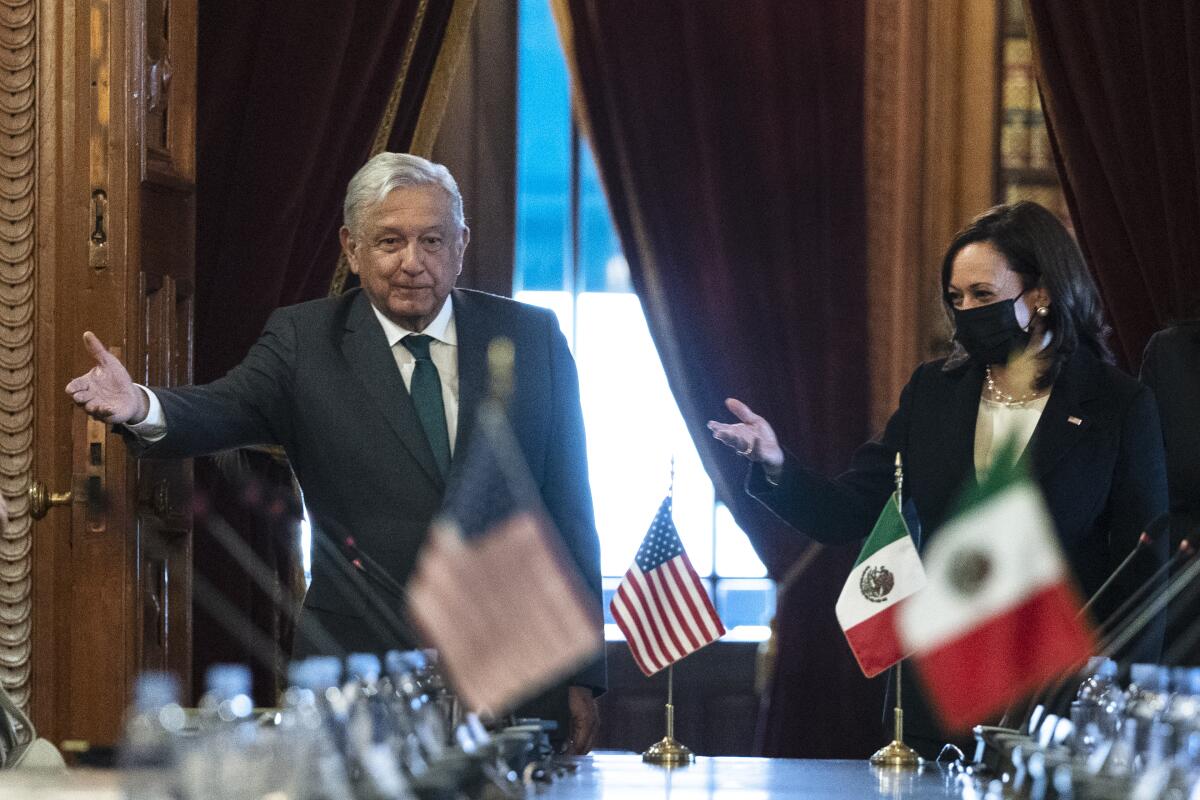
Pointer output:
x,y
843,509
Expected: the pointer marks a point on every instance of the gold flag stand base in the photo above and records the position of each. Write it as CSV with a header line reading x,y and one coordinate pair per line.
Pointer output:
x,y
896,754
668,753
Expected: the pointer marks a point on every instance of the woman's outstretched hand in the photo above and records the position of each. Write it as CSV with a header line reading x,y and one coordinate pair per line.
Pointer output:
x,y
752,437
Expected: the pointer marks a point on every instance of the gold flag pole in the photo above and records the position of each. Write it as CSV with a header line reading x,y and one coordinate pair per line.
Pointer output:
x,y
667,752
897,753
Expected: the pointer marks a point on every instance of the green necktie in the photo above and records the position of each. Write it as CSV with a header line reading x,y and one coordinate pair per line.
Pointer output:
x,y
426,392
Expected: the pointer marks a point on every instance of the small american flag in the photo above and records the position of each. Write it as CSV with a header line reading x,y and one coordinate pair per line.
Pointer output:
x,y
493,589
661,605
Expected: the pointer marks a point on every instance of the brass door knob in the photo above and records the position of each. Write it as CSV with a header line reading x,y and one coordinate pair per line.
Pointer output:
x,y
40,499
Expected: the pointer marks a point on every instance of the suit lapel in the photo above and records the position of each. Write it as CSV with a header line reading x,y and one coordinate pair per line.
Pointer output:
x,y
1064,420
473,335
962,415
366,350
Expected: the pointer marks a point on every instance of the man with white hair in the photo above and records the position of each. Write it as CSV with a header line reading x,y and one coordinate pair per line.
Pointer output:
x,y
373,393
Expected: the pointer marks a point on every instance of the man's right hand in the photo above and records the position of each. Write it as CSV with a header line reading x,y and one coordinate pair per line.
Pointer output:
x,y
106,391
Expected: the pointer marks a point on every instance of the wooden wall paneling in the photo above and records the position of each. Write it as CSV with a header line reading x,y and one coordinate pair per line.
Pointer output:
x,y
111,591
163,76
716,707
94,238
164,486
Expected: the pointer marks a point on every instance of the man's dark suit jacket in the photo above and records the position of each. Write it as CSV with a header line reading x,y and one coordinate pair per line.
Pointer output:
x,y
1171,367
1103,479
322,383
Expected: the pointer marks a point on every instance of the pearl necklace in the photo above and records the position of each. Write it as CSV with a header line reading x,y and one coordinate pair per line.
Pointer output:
x,y
998,395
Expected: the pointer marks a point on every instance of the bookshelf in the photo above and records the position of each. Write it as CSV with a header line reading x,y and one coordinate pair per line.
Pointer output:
x,y
1025,162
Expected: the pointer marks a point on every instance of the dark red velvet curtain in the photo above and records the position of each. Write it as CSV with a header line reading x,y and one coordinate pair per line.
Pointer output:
x,y
730,140
1120,83
290,97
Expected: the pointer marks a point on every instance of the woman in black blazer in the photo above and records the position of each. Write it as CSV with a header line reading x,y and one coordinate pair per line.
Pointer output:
x,y
1013,281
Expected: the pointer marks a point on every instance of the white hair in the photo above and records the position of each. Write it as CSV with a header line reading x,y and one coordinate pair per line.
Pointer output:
x,y
387,172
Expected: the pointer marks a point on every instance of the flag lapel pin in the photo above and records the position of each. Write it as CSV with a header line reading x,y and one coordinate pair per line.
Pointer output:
x,y
1074,420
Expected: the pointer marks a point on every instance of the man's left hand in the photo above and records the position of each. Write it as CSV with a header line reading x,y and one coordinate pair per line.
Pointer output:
x,y
585,720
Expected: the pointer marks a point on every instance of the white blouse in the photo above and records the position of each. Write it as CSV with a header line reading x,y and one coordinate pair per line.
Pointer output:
x,y
997,423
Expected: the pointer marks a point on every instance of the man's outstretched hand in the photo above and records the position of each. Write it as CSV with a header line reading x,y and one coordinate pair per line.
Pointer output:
x,y
106,391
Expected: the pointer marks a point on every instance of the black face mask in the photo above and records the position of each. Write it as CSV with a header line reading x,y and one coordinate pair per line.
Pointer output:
x,y
991,333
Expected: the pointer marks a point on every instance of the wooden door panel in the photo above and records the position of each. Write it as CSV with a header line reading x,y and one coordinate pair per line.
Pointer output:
x,y
164,486
111,583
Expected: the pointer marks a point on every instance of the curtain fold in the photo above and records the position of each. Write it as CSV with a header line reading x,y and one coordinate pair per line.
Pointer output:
x,y
1121,89
729,138
290,99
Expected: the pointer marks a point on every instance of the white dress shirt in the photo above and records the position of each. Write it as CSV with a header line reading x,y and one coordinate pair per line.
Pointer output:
x,y
443,351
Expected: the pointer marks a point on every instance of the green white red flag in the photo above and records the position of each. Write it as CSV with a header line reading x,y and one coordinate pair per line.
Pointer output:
x,y
887,573
998,617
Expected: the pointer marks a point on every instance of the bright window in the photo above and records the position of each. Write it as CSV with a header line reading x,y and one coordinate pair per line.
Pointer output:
x,y
569,259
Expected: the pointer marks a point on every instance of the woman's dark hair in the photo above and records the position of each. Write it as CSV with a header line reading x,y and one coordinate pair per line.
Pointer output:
x,y
1038,248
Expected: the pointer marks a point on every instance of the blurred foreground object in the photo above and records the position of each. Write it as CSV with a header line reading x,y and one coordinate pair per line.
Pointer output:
x,y
998,617
494,590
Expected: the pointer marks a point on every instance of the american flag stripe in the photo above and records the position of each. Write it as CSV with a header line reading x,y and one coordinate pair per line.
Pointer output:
x,y
634,599
663,614
709,615
699,608
640,643
665,593
677,599
642,613
644,598
681,598
644,644
450,566
661,599
501,613
651,649
661,605
700,611
634,624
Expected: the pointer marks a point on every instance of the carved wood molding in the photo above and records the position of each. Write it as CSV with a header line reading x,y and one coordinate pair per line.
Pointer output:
x,y
18,161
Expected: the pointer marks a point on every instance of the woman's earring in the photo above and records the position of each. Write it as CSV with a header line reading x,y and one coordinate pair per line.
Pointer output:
x,y
1042,311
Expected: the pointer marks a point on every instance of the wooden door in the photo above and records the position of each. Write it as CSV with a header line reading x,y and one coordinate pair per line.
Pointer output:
x,y
109,570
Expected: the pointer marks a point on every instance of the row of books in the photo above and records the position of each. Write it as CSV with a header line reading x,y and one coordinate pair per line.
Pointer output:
x,y
1024,141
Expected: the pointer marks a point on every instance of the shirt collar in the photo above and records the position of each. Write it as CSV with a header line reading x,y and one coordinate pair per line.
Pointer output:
x,y
442,327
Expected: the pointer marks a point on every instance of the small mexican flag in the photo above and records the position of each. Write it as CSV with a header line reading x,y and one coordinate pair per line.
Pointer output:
x,y
998,618
887,572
